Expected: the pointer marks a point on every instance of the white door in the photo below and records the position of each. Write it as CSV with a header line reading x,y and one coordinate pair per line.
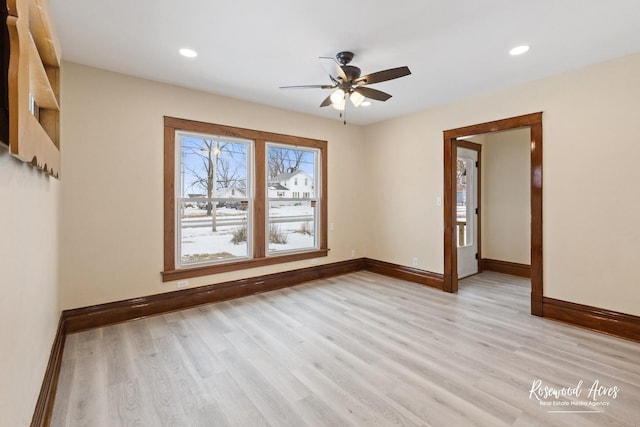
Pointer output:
x,y
466,212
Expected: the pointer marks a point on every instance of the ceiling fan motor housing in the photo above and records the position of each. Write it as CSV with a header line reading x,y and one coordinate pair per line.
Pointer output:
x,y
344,57
351,72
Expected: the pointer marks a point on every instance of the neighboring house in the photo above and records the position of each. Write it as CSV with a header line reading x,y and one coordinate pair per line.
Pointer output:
x,y
224,193
292,185
277,190
231,193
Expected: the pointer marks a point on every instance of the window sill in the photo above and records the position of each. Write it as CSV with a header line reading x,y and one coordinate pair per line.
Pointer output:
x,y
207,270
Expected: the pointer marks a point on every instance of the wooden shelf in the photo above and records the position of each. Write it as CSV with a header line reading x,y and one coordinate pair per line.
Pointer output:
x,y
39,84
34,71
43,32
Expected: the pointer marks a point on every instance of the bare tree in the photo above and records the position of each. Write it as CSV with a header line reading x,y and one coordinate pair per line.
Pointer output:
x,y
228,174
282,160
206,175
218,169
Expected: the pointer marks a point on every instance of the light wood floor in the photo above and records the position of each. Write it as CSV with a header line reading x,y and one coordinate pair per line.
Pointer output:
x,y
355,350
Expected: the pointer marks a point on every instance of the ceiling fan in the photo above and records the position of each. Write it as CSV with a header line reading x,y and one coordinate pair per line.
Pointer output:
x,y
348,83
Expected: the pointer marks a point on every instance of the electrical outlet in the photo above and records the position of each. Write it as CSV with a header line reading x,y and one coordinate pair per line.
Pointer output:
x,y
182,284
314,261
332,226
414,262
353,253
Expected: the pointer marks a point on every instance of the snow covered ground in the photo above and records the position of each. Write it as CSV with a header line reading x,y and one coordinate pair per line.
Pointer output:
x,y
201,244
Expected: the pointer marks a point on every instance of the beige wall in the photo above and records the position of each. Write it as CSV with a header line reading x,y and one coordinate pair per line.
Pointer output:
x,y
112,200
404,177
29,309
591,147
506,207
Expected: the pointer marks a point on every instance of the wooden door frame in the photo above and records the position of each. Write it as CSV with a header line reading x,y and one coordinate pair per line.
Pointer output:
x,y
534,123
477,148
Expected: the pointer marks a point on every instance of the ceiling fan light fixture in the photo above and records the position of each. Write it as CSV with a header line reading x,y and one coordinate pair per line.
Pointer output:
x,y
366,104
356,98
337,97
339,105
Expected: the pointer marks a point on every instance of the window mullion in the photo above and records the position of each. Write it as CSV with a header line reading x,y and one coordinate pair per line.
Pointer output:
x,y
259,220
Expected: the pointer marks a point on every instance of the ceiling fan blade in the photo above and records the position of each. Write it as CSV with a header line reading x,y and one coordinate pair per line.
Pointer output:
x,y
308,87
326,102
383,76
367,92
332,67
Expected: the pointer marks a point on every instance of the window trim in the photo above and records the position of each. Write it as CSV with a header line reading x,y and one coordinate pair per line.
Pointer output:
x,y
260,257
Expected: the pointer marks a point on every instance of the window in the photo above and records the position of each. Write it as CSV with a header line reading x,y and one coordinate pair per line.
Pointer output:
x,y
465,209
227,202
292,221
213,221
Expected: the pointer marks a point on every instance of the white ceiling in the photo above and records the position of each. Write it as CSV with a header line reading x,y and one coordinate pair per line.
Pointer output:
x,y
248,48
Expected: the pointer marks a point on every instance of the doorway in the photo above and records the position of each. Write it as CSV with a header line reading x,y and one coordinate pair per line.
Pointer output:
x,y
534,123
468,207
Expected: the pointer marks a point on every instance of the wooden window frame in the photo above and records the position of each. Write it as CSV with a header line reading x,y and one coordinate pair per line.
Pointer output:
x,y
260,253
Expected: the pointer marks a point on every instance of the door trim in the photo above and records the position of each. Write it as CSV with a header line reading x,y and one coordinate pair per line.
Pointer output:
x,y
534,122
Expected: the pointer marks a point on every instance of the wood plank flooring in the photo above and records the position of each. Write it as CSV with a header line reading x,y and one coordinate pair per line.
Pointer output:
x,y
354,350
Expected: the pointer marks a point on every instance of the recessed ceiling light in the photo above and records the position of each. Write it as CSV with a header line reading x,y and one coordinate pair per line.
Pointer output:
x,y
519,50
189,53
365,103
